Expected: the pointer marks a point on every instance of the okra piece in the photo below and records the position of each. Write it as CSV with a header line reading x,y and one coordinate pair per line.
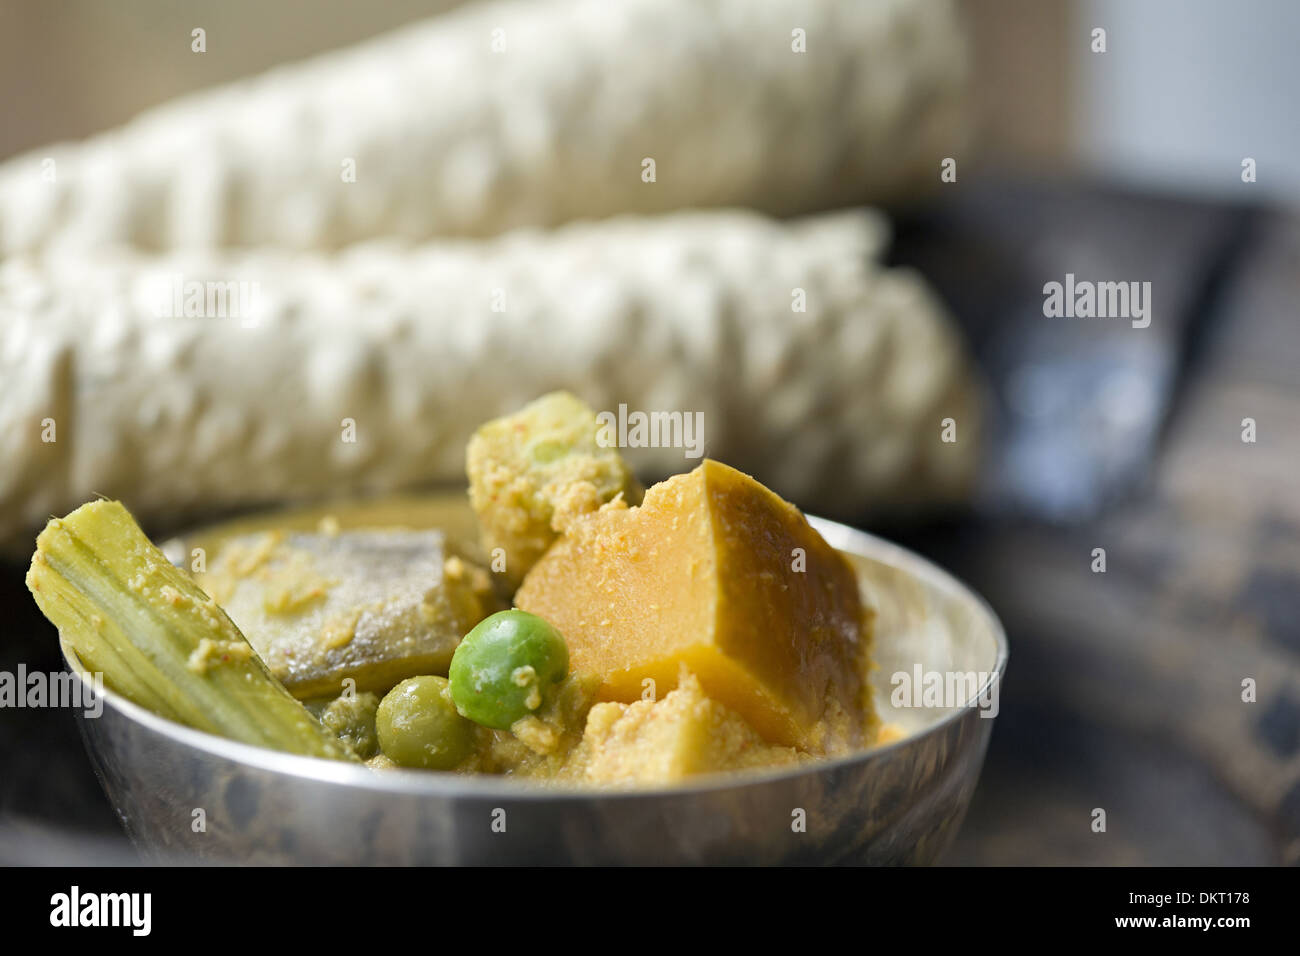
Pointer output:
x,y
158,639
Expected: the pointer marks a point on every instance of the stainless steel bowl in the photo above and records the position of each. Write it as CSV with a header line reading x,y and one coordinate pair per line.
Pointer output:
x,y
182,794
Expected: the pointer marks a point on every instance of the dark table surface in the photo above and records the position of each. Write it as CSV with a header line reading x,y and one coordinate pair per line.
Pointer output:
x,y
1125,688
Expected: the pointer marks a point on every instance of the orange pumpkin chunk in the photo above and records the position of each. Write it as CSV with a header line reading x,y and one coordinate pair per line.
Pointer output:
x,y
715,573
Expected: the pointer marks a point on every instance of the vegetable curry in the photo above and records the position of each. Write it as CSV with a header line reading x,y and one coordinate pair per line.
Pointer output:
x,y
595,632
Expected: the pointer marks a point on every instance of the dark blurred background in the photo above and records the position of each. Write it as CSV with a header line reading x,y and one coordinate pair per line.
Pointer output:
x,y
1125,688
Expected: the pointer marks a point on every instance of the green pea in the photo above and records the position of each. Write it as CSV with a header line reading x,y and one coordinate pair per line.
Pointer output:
x,y
505,667
418,726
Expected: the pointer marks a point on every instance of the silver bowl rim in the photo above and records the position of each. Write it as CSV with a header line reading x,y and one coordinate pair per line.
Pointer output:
x,y
406,782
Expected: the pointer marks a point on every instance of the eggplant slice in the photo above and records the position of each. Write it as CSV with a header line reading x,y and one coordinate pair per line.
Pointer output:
x,y
376,606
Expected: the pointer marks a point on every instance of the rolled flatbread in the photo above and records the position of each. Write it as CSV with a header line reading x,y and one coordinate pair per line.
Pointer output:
x,y
199,381
521,113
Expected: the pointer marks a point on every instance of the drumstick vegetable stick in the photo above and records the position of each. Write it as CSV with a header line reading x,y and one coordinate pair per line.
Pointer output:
x,y
522,113
158,639
196,382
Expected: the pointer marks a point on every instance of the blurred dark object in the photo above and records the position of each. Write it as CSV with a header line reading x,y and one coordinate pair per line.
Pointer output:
x,y
1125,691
52,810
1080,401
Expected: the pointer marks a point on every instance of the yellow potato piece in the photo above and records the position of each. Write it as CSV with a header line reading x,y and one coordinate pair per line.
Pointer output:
x,y
716,574
666,741
533,472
